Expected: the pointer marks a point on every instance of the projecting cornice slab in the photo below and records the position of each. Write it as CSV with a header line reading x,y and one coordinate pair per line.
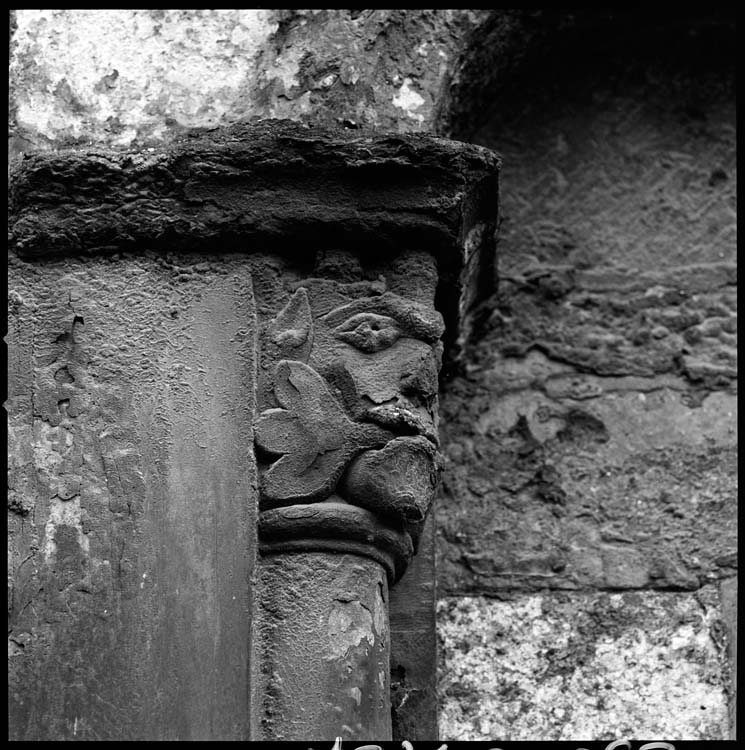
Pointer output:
x,y
272,185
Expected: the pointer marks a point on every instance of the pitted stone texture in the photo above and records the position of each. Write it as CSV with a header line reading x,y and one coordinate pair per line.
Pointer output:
x,y
349,410
618,240
312,435
282,185
592,439
132,497
122,76
251,188
114,76
630,488
582,667
323,646
398,480
728,593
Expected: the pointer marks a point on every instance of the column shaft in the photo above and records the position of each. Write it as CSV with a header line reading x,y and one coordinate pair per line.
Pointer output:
x,y
325,643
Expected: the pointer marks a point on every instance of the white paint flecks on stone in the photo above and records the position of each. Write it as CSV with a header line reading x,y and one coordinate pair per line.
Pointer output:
x,y
63,513
581,667
409,100
348,624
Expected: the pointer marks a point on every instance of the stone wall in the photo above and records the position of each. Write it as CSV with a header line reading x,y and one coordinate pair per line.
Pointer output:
x,y
586,519
592,440
121,77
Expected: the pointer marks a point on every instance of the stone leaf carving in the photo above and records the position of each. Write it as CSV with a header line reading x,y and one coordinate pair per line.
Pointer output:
x,y
292,330
313,436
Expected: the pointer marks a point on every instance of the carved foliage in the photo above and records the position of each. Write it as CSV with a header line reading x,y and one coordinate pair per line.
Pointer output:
x,y
312,434
352,390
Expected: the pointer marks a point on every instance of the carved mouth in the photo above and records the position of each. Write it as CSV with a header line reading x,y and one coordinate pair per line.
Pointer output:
x,y
402,421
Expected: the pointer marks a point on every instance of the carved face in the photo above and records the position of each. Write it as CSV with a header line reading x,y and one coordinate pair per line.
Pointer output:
x,y
382,356
357,390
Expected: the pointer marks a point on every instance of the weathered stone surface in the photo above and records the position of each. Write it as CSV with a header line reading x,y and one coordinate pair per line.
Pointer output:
x,y
132,497
618,492
121,77
398,480
414,645
276,184
269,179
619,186
347,342
350,353
583,667
141,77
324,647
336,527
350,357
311,434
728,595
592,441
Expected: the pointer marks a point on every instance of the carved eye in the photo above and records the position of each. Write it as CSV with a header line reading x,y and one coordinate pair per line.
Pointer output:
x,y
369,332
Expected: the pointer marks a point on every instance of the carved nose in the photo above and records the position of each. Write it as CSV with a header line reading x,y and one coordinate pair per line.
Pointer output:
x,y
421,380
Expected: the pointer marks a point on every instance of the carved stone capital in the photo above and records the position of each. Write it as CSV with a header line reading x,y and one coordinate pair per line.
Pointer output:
x,y
259,319
382,245
272,185
348,386
335,526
